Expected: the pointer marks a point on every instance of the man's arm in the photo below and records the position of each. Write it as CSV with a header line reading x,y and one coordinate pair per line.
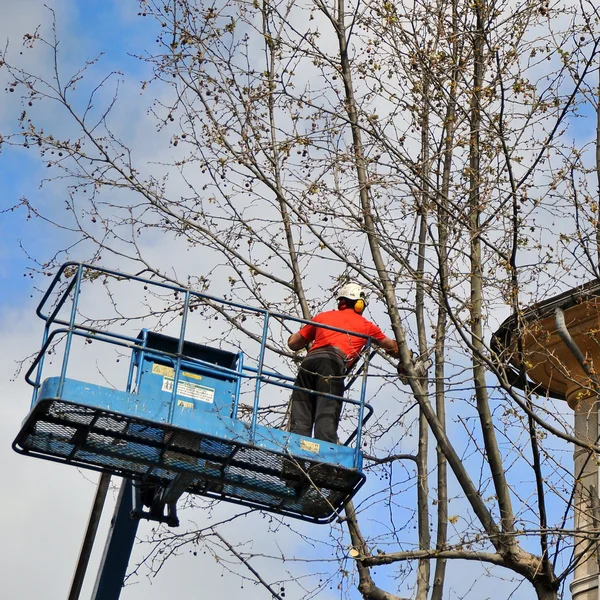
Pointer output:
x,y
297,342
390,346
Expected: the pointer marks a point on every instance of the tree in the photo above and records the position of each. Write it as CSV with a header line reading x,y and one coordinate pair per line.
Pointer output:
x,y
420,149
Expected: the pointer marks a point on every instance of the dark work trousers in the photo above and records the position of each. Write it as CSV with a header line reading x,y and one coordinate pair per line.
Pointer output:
x,y
322,371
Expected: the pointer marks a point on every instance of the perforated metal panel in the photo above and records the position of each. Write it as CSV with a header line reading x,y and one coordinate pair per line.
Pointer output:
x,y
98,439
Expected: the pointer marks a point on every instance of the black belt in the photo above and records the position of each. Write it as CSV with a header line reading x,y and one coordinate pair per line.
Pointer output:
x,y
329,350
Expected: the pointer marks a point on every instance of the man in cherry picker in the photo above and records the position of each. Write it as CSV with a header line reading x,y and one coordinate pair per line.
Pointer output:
x,y
330,355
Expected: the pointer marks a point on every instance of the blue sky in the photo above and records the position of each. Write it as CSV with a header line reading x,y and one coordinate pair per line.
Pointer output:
x,y
85,31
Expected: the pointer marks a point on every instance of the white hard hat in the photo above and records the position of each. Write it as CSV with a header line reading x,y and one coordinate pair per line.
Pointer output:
x,y
352,291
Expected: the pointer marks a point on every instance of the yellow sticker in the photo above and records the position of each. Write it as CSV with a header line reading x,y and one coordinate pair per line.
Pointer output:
x,y
310,446
170,372
185,404
191,375
163,370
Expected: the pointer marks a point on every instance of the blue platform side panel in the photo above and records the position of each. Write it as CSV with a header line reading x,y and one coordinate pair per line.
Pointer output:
x,y
208,378
197,389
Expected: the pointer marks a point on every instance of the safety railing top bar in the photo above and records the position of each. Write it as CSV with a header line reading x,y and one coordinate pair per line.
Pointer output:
x,y
75,271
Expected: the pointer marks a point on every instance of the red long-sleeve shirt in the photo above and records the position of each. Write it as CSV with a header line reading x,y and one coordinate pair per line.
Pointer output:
x,y
347,319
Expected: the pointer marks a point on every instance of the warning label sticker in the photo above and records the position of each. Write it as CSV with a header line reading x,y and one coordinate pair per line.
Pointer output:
x,y
189,390
310,446
170,372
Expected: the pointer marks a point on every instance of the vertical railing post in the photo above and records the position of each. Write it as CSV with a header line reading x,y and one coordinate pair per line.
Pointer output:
x,y
40,367
361,406
180,346
259,371
63,370
140,359
238,385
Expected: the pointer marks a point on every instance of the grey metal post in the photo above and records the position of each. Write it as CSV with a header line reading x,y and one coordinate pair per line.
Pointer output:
x,y
90,536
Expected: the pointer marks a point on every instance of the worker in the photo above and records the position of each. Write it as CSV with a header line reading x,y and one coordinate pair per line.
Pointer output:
x,y
330,355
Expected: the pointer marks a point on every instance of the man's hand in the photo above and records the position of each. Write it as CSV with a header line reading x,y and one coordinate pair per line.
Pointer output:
x,y
390,346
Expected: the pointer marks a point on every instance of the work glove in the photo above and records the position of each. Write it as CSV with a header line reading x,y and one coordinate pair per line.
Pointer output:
x,y
421,365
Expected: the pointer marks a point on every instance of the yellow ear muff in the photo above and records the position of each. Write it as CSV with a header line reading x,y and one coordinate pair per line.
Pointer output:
x,y
359,306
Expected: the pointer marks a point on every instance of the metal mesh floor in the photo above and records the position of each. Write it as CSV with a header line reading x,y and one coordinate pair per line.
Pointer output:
x,y
218,468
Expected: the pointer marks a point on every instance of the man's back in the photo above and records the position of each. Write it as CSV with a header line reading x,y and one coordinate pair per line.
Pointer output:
x,y
348,319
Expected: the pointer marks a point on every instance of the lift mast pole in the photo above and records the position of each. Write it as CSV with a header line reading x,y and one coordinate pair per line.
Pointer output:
x,y
117,551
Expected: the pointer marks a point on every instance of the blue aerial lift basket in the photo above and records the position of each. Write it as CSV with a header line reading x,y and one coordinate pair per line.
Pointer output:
x,y
175,426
